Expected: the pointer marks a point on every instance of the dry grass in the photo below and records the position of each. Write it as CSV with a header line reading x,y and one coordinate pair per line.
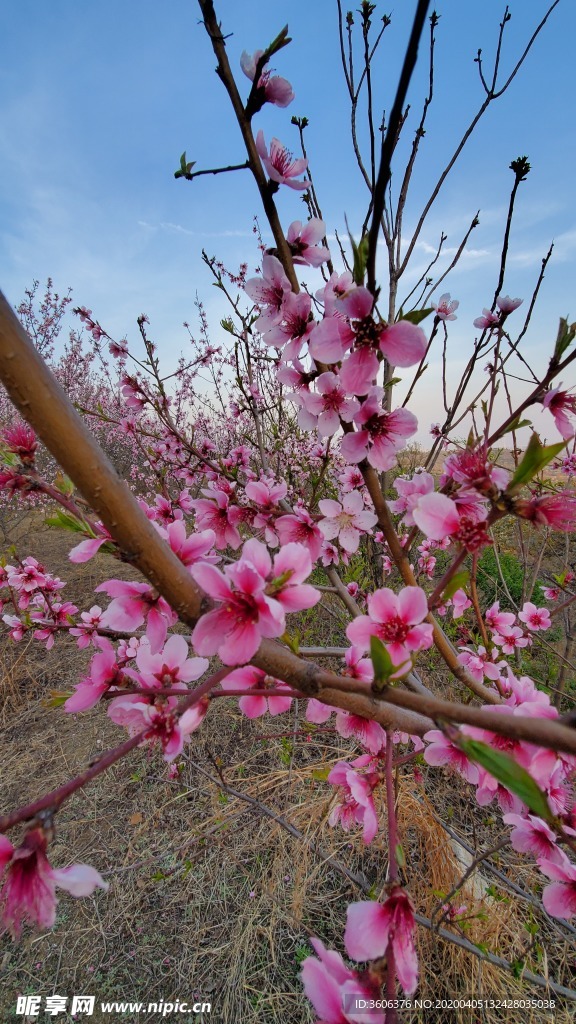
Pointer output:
x,y
209,898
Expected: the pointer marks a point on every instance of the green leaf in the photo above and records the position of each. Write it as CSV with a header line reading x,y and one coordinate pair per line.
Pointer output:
x,y
459,580
384,667
382,662
360,253
393,381
535,458
415,316
185,167
517,423
321,774
400,856
504,768
293,642
281,40
66,521
8,458
63,484
564,338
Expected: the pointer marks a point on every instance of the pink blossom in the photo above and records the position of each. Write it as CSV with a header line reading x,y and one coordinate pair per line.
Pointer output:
x,y
331,986
561,404
268,290
523,690
380,434
169,667
302,529
280,164
86,549
291,566
245,614
487,320
274,88
510,639
87,631
410,491
403,344
197,547
295,326
558,511
479,663
258,705
396,619
351,478
535,618
217,514
531,834
358,667
356,804
507,305
254,596
29,576
158,721
498,620
104,674
266,494
460,602
438,517
118,349
441,751
303,242
21,441
17,627
134,603
317,712
559,899
326,407
30,882
445,308
374,929
473,470
369,734
346,521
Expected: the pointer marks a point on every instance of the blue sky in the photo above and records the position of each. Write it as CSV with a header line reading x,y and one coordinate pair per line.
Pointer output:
x,y
98,100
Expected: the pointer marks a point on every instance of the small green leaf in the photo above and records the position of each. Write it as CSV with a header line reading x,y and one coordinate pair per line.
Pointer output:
x,y
507,771
321,774
564,338
517,423
57,698
415,316
458,581
63,484
281,40
382,662
293,642
400,856
66,521
395,380
384,667
535,458
360,253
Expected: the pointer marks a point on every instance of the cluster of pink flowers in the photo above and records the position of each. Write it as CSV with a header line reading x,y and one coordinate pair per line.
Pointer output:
x,y
552,772
253,596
